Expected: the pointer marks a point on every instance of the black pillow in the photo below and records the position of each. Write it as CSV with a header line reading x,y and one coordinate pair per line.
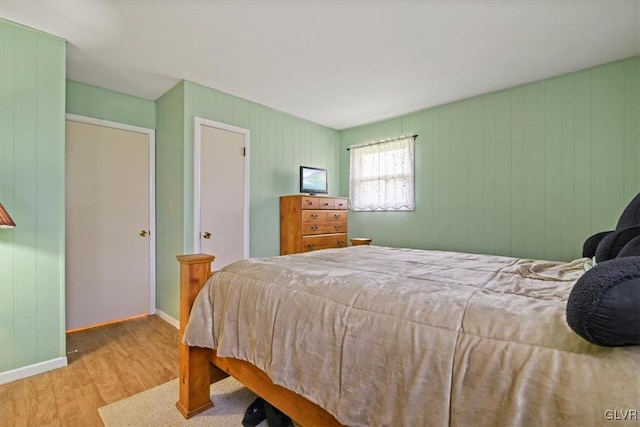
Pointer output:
x,y
604,304
612,244
630,216
632,248
591,244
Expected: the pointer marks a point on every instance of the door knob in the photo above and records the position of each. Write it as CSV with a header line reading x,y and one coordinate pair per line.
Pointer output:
x,y
144,233
206,235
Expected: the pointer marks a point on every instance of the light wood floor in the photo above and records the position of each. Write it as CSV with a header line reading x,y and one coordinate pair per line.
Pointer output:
x,y
112,363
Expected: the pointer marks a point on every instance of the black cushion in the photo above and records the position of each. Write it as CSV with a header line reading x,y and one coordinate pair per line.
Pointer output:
x,y
630,216
591,244
604,304
612,243
630,249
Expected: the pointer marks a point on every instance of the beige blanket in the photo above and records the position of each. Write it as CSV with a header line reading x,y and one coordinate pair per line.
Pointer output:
x,y
399,337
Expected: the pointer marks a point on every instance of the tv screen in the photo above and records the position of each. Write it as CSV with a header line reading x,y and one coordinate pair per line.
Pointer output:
x,y
313,180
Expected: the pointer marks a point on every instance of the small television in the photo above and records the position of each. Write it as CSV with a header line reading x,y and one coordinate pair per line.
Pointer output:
x,y
313,180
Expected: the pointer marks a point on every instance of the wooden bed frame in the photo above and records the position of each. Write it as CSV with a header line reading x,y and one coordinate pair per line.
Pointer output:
x,y
201,367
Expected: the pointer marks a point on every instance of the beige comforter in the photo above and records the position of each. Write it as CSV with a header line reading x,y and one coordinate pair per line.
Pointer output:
x,y
399,337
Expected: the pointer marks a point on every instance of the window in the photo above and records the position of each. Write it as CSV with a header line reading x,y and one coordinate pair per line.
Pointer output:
x,y
381,176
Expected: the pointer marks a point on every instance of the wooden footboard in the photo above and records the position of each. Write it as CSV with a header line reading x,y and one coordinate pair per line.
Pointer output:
x,y
197,373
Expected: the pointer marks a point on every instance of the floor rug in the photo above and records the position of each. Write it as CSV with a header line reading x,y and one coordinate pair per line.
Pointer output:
x,y
157,407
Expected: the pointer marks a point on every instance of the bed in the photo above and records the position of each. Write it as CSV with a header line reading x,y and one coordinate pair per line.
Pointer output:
x,y
370,335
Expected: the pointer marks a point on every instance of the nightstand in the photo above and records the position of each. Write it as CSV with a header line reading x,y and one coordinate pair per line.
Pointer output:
x,y
357,241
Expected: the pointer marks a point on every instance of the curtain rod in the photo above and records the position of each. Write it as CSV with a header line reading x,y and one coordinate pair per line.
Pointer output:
x,y
381,142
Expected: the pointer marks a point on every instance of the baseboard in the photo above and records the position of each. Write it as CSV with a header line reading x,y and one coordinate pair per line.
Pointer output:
x,y
170,320
108,322
31,370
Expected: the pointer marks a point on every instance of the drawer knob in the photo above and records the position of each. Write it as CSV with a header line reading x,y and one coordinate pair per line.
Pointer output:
x,y
326,203
314,216
338,227
337,216
340,243
311,245
314,227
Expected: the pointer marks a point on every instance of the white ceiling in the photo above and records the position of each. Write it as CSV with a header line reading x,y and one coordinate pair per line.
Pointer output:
x,y
337,63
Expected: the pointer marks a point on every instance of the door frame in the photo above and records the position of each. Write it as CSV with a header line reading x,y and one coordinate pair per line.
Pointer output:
x,y
151,134
197,156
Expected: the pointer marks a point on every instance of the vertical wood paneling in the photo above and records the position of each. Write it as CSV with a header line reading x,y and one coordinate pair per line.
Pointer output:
x,y
489,182
169,197
444,166
50,184
534,169
517,173
607,143
553,167
475,216
582,130
503,173
99,103
26,243
631,107
257,152
568,238
530,171
7,197
425,221
32,70
459,176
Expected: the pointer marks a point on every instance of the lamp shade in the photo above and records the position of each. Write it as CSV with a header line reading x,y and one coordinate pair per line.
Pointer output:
x,y
5,219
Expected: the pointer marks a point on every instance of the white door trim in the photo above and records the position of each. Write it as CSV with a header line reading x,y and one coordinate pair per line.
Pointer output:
x,y
197,153
151,133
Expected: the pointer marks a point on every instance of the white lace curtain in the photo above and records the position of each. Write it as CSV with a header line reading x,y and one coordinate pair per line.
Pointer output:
x,y
381,176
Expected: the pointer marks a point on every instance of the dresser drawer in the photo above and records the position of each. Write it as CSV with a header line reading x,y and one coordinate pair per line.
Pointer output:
x,y
335,216
324,203
313,216
312,243
309,202
324,216
340,204
324,227
328,203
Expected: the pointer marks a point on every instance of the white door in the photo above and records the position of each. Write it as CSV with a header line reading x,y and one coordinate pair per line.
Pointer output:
x,y
222,212
107,224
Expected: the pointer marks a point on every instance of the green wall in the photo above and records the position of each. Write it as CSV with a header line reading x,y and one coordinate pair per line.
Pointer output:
x,y
169,197
92,101
279,144
32,99
530,171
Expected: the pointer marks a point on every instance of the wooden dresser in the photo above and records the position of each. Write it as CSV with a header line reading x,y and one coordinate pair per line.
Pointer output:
x,y
308,223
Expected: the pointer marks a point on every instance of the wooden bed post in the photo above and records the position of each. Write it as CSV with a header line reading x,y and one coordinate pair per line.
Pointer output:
x,y
194,361
200,367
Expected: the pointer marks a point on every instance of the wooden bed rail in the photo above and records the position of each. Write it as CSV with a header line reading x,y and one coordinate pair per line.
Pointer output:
x,y
200,367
